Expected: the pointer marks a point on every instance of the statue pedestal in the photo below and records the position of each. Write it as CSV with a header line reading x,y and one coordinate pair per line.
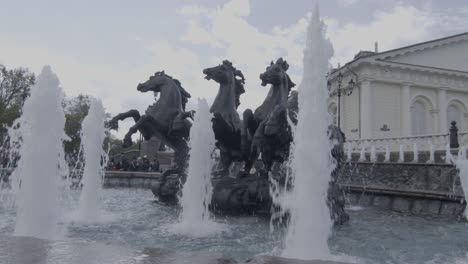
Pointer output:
x,y
150,148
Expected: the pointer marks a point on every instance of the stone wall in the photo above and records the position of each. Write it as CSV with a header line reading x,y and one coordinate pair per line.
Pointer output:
x,y
408,187
131,179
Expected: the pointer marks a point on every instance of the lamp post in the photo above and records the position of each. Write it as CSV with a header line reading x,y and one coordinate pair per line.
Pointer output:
x,y
348,90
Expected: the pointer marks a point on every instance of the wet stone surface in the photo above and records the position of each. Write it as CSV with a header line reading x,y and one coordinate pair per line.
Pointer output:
x,y
28,250
22,250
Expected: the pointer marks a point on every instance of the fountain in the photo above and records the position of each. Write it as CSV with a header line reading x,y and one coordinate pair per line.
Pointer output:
x,y
308,181
401,157
431,153
92,138
362,154
310,223
373,154
415,153
41,164
197,190
387,153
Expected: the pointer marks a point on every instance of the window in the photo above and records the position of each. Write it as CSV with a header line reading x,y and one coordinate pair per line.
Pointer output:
x,y
419,114
453,114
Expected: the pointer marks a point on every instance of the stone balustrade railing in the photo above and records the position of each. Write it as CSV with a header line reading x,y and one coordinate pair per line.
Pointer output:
x,y
423,142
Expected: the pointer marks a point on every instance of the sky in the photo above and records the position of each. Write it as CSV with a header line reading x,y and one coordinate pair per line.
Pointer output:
x,y
104,48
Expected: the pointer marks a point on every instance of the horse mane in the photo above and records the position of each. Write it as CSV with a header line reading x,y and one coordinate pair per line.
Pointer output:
x,y
285,66
239,80
184,94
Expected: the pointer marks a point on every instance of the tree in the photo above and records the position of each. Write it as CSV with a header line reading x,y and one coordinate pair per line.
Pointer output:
x,y
76,109
15,87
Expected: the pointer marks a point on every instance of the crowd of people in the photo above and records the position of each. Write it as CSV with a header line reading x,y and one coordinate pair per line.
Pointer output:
x,y
137,164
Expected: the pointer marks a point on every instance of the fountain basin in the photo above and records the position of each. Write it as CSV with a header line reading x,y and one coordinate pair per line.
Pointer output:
x,y
19,250
133,220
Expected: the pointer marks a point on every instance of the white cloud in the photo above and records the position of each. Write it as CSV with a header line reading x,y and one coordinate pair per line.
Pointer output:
x,y
403,25
248,48
347,2
225,33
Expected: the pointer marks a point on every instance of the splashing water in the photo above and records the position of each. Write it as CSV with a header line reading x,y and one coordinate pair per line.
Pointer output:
x,y
41,164
92,138
401,157
310,224
373,154
196,193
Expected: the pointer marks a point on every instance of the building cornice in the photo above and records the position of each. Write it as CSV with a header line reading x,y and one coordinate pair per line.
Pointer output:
x,y
382,58
382,72
420,46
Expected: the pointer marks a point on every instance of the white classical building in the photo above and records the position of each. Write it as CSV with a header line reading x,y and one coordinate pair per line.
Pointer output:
x,y
413,91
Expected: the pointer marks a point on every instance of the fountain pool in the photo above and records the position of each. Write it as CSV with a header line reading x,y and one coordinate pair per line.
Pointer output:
x,y
133,219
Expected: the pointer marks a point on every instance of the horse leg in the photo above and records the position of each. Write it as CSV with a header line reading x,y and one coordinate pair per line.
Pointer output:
x,y
268,160
142,121
114,122
250,152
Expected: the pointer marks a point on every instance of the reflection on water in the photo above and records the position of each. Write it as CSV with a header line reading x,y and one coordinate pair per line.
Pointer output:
x,y
135,220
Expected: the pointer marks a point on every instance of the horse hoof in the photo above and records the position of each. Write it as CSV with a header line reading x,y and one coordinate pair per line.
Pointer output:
x,y
113,124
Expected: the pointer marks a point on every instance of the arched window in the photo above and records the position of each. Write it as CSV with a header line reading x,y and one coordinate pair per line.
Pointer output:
x,y
454,113
419,116
332,110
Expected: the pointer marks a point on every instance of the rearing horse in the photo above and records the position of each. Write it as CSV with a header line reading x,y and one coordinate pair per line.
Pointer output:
x,y
166,119
270,115
226,121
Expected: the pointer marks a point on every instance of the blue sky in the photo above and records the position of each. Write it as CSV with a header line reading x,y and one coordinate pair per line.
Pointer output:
x,y
104,48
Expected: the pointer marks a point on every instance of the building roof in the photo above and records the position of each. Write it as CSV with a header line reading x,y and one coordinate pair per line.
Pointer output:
x,y
382,56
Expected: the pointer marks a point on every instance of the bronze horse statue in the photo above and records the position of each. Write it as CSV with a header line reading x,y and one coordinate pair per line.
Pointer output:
x,y
166,119
267,130
226,121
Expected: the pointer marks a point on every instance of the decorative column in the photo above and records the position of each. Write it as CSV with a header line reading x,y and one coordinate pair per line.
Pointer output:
x,y
442,105
366,109
405,110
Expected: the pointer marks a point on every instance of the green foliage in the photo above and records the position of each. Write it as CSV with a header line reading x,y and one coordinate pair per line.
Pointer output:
x,y
15,87
76,109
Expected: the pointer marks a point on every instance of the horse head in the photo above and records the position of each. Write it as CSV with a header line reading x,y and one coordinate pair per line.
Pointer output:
x,y
276,75
160,79
154,83
226,74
